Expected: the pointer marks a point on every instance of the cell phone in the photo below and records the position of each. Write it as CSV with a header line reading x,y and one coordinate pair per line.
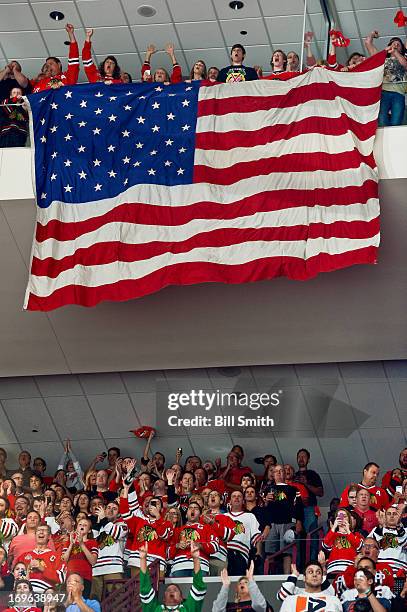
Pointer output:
x,y
147,72
104,455
179,451
399,489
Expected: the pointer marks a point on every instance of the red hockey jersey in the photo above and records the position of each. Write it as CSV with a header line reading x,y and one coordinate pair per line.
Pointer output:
x,y
69,77
195,532
91,70
52,570
342,549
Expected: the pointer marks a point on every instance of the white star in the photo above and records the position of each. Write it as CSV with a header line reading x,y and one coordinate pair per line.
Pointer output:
x,y
82,174
185,103
96,131
68,163
170,116
81,149
137,164
188,88
167,163
185,128
111,148
180,171
67,188
153,152
54,155
83,104
156,128
98,111
140,97
139,145
42,121
68,116
68,94
126,160
128,93
168,142
151,172
155,105
181,150
42,99
43,196
171,94
112,174
68,137
127,107
43,139
54,106
158,88
126,134
112,118
99,95
112,98
96,162
141,119
53,176
98,187
82,123
125,181
54,129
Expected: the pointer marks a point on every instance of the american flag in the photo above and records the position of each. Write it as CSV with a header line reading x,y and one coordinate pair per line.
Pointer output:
x,y
145,185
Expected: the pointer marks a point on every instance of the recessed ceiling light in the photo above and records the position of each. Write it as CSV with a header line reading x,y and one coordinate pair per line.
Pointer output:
x,y
57,15
145,10
243,32
236,5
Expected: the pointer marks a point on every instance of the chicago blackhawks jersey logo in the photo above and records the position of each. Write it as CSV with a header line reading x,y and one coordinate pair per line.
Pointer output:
x,y
388,541
189,535
341,542
239,528
147,534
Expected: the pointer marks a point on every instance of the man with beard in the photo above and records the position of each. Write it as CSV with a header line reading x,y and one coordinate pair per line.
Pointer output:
x,y
173,599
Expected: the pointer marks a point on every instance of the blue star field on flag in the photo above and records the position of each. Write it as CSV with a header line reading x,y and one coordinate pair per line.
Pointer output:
x,y
94,141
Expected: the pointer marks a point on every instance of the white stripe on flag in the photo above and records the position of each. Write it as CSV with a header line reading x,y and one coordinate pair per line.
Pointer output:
x,y
131,233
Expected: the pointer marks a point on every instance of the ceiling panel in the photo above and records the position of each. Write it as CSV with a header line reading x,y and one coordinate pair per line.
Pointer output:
x,y
14,17
105,40
73,418
28,45
203,30
163,34
43,9
288,7
55,41
285,29
162,15
101,13
251,9
31,419
255,28
189,10
349,24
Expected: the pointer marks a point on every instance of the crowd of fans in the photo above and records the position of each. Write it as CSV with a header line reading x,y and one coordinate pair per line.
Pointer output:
x,y
78,531
14,83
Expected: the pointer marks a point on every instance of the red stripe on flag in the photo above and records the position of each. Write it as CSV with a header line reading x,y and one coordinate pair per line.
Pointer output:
x,y
297,95
108,252
295,162
148,214
224,141
192,273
